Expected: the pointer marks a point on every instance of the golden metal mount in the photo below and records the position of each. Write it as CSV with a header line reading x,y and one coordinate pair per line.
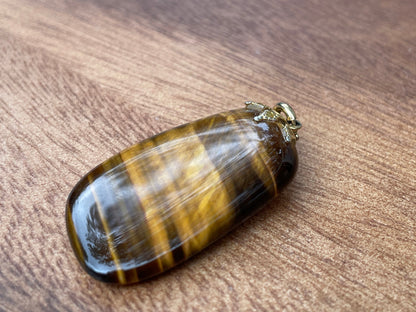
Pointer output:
x,y
267,113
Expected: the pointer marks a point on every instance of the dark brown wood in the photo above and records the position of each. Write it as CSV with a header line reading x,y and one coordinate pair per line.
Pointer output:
x,y
82,80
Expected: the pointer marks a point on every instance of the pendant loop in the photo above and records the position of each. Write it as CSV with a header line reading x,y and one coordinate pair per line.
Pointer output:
x,y
267,113
294,124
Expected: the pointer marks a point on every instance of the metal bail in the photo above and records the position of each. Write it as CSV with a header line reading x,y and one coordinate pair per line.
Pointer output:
x,y
267,113
294,124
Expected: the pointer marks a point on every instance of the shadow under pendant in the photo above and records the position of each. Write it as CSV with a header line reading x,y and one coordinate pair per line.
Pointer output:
x,y
161,201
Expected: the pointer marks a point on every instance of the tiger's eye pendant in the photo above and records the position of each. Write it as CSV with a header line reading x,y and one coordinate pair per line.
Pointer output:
x,y
163,200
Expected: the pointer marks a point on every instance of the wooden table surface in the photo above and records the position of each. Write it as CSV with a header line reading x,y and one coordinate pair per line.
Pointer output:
x,y
82,80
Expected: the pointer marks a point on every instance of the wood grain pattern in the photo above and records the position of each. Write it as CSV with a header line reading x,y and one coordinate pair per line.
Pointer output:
x,y
82,80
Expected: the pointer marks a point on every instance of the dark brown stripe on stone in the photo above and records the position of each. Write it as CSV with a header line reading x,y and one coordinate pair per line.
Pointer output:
x,y
133,244
283,156
227,151
175,241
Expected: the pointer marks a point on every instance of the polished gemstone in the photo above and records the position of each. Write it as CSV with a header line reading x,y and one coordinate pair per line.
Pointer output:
x,y
161,201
